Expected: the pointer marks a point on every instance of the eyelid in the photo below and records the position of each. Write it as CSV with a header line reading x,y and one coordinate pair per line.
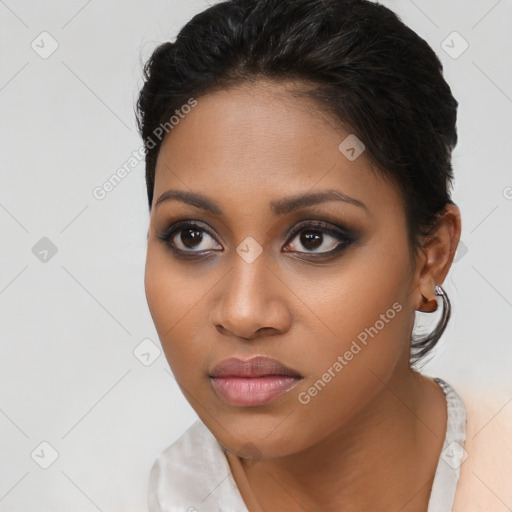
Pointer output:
x,y
325,226
178,225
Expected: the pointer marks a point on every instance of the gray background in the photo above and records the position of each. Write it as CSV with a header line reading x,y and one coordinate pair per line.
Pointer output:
x,y
71,321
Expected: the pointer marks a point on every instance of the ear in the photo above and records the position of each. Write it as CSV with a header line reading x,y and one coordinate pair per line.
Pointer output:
x,y
436,259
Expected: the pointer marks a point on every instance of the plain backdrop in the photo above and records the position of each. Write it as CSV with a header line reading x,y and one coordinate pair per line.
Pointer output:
x,y
80,367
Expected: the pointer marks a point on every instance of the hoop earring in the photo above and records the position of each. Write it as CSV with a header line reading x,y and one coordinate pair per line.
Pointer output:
x,y
421,346
439,291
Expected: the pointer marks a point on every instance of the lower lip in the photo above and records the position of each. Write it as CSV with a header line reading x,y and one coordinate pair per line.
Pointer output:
x,y
252,391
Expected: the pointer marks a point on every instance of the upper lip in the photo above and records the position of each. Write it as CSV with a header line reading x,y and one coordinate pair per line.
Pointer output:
x,y
255,367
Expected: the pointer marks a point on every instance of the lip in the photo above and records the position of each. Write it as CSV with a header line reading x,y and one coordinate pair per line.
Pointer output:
x,y
258,366
252,382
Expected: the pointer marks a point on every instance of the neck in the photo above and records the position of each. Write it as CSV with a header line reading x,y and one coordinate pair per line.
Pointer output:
x,y
384,458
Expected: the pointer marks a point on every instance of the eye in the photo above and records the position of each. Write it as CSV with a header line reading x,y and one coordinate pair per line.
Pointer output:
x,y
189,237
318,237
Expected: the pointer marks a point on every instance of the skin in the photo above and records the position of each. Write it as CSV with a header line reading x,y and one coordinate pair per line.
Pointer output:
x,y
371,438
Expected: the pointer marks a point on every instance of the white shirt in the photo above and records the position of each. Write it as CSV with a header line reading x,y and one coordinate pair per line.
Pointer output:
x,y
193,473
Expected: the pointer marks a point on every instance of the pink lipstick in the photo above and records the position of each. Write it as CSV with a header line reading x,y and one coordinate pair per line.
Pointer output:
x,y
252,382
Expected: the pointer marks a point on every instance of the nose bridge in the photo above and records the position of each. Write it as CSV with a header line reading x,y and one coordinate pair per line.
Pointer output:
x,y
248,287
249,272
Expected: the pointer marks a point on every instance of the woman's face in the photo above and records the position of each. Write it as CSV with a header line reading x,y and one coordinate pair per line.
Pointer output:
x,y
323,285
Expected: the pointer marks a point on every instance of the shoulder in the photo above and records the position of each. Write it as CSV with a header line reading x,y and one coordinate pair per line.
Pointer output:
x,y
191,473
486,471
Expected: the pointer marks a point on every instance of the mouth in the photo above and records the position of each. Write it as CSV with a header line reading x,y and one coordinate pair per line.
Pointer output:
x,y
252,382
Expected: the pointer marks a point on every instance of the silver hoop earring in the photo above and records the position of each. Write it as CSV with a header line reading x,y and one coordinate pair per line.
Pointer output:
x,y
439,291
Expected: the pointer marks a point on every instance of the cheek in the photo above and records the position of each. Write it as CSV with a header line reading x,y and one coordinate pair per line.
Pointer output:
x,y
158,281
365,324
172,303
357,347
360,294
367,337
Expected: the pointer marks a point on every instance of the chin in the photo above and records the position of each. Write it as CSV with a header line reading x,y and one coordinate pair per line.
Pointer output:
x,y
262,438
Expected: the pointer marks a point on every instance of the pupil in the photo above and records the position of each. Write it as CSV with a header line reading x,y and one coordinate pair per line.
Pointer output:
x,y
191,237
311,239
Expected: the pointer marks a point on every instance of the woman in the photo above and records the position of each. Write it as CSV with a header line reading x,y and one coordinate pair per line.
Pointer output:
x,y
298,168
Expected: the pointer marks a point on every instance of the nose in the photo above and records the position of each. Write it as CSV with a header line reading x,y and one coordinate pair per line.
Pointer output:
x,y
251,302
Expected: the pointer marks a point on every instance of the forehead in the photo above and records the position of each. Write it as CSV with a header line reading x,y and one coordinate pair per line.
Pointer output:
x,y
261,141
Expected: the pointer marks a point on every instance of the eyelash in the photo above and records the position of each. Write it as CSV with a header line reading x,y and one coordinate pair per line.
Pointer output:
x,y
345,236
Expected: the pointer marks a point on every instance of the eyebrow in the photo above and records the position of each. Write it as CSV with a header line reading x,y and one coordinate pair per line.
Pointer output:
x,y
280,206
